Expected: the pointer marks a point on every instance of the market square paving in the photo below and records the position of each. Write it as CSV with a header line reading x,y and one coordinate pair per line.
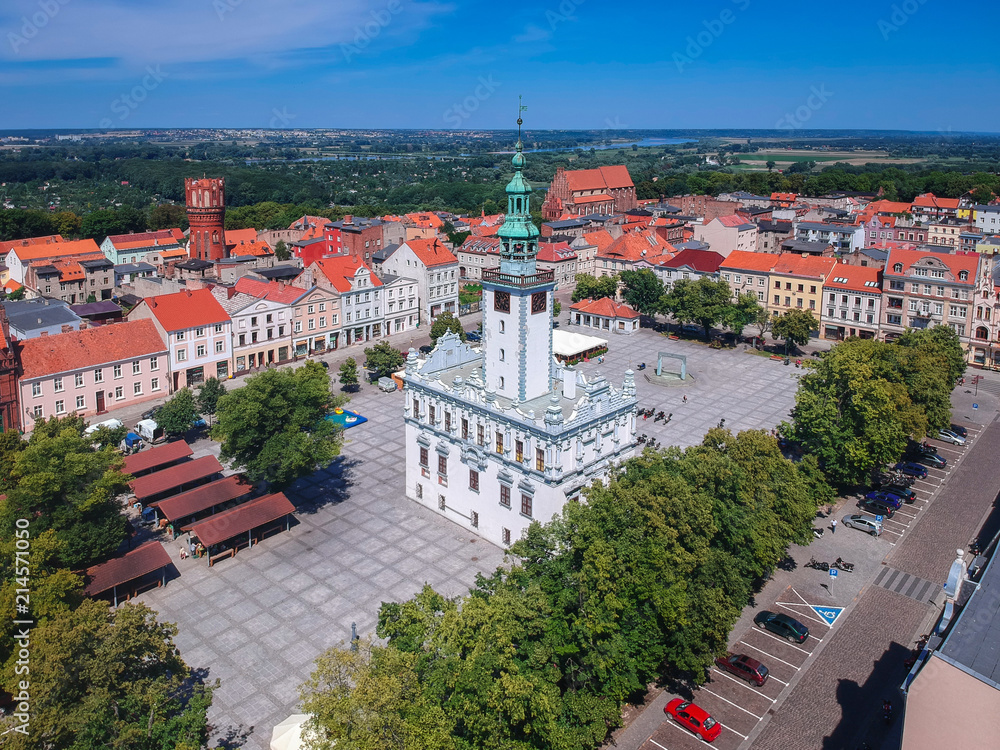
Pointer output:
x,y
258,621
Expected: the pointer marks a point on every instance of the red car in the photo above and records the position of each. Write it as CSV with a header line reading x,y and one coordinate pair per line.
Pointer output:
x,y
693,718
744,667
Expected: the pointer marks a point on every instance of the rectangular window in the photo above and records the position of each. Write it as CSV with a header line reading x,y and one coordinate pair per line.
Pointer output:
x,y
78,380
447,421
465,428
499,442
199,332
424,457
137,388
36,389
474,519
420,491
519,451
154,364
480,435
58,383
526,505
60,407
442,503
154,384
182,355
539,459
218,327
202,350
474,480
505,495
80,402
322,307
220,346
179,336
98,376
443,465
505,533
36,412
432,412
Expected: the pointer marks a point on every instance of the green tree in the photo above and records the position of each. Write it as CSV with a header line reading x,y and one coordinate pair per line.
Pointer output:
x,y
556,308
589,287
67,224
642,290
745,311
208,396
383,359
281,251
770,165
178,415
941,342
168,216
981,194
762,321
348,374
105,677
17,294
369,697
62,483
795,327
705,301
443,323
274,427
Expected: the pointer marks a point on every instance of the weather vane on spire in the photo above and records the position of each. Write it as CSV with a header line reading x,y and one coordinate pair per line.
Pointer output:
x,y
520,108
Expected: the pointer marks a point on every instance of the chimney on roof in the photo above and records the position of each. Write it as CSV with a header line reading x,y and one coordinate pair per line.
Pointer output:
x,y
84,325
187,291
349,219
43,333
39,321
65,327
152,301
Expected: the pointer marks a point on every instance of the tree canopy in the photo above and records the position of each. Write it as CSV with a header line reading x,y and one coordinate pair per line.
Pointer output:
x,y
178,414
274,429
589,287
795,326
442,324
704,301
643,580
642,290
208,396
348,373
383,359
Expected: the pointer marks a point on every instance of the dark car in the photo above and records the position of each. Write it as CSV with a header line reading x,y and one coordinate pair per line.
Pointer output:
x,y
959,430
473,336
903,493
933,459
151,413
744,667
783,625
885,498
877,506
911,469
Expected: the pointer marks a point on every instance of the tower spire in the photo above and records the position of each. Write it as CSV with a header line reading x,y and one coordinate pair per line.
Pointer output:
x,y
520,108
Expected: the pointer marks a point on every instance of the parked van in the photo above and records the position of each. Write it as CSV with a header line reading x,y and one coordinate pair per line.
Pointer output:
x,y
386,384
149,431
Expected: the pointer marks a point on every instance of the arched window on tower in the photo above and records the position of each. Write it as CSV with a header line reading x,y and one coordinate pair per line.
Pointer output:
x,y
519,205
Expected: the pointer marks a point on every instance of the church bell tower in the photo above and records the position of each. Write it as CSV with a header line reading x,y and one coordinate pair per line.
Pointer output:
x,y
517,300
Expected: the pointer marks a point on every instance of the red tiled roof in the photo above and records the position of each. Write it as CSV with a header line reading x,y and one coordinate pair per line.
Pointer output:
x,y
273,291
485,245
135,564
605,307
929,200
147,238
478,231
186,309
257,248
179,507
956,262
703,261
794,264
734,220
243,518
599,198
635,246
235,236
431,252
425,220
341,269
308,222
555,252
56,249
12,286
6,247
743,260
602,178
601,239
855,279
78,350
174,476
160,455
785,197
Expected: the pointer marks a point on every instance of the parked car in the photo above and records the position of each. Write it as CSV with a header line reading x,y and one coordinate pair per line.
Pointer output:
x,y
903,493
877,506
933,459
959,430
744,667
885,498
473,336
950,436
783,625
693,718
863,523
149,414
911,469
691,329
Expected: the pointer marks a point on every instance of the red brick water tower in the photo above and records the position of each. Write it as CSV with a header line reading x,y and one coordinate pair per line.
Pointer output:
x,y
206,210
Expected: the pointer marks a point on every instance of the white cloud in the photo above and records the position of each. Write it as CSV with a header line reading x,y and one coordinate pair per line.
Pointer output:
x,y
533,33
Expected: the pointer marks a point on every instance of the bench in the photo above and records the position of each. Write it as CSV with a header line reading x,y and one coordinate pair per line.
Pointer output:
x,y
231,552
777,358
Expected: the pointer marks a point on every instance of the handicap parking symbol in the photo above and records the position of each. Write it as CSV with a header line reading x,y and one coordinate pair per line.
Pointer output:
x,y
829,614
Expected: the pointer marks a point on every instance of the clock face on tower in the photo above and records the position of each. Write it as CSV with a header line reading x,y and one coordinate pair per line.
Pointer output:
x,y
501,301
538,302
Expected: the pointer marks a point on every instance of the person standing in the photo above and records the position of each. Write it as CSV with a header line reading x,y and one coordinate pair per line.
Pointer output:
x,y
833,526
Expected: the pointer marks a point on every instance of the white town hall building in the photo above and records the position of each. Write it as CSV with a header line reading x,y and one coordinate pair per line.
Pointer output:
x,y
502,435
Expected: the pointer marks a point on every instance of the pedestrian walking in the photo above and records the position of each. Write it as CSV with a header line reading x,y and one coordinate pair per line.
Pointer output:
x,y
684,400
833,526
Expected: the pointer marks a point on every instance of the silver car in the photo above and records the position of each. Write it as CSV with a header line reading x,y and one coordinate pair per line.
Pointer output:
x,y
863,522
948,436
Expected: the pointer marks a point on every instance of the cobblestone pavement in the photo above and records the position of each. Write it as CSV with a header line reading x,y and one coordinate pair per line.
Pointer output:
x,y
257,621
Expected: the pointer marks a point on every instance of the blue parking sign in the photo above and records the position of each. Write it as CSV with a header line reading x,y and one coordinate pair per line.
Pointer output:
x,y
833,572
878,518
975,406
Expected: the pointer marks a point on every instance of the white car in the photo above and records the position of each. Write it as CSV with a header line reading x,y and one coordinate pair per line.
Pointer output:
x,y
111,424
948,436
863,522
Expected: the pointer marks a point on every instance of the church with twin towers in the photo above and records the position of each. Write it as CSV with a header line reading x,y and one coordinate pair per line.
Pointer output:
x,y
502,434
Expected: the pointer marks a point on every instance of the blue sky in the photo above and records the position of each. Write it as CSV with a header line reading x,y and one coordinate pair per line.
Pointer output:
x,y
913,65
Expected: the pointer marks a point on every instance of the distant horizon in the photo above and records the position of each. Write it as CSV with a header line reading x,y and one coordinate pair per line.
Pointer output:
x,y
910,66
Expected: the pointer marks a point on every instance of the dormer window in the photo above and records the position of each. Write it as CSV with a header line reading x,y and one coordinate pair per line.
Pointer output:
x,y
898,268
963,275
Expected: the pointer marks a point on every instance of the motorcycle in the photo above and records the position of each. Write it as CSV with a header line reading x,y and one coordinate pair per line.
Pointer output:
x,y
642,365
887,711
844,566
817,565
818,533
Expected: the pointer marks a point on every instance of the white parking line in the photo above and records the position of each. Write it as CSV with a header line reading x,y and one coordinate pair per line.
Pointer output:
x,y
783,640
734,731
800,614
657,743
744,683
704,689
771,656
